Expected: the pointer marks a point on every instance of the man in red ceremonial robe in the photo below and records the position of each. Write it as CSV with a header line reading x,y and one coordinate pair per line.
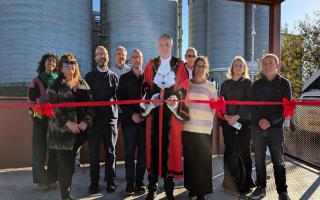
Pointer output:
x,y
165,78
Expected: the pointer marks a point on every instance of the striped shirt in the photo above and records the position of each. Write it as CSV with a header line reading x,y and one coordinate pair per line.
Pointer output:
x,y
201,116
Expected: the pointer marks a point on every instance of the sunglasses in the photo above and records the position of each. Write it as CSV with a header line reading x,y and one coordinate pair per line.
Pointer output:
x,y
201,65
191,56
68,63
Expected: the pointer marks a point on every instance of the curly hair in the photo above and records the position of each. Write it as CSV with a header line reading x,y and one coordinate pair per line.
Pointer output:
x,y
41,66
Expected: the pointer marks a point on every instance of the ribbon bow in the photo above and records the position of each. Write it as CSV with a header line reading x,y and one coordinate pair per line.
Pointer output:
x,y
219,106
288,107
46,109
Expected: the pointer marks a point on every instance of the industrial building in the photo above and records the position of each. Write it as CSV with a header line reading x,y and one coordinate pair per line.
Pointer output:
x,y
31,28
217,29
224,29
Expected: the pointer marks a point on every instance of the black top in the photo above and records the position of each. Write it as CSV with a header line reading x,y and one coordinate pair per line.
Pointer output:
x,y
236,90
103,87
130,88
80,95
265,90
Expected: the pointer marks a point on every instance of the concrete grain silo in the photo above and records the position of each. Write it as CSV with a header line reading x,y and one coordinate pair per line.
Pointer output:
x,y
138,24
198,25
31,28
261,26
226,34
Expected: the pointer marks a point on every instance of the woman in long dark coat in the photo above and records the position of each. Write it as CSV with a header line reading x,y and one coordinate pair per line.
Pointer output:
x,y
68,129
237,154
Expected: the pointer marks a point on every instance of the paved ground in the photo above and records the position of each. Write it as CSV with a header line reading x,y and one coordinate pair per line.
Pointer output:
x,y
15,184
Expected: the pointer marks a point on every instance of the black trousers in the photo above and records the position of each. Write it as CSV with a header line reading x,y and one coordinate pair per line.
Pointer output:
x,y
197,162
168,184
135,138
39,154
66,160
238,141
107,134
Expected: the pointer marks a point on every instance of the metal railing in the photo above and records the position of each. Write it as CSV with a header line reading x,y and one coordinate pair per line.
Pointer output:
x,y
302,139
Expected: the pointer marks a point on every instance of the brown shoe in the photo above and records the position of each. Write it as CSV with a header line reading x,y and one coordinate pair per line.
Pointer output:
x,y
42,187
52,185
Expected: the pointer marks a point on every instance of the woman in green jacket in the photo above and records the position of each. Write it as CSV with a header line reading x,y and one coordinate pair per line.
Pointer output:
x,y
47,72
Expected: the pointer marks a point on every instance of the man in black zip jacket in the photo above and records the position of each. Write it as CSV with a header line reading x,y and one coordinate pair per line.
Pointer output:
x,y
267,125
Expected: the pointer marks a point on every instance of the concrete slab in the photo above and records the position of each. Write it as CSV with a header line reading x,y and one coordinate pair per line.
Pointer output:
x,y
16,184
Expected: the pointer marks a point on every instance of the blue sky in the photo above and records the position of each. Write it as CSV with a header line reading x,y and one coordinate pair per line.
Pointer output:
x,y
292,11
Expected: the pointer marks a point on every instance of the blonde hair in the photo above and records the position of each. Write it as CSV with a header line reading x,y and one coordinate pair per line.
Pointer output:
x,y
245,73
191,49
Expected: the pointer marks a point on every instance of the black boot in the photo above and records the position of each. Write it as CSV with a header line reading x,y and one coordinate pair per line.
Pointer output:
x,y
111,186
151,195
170,196
168,188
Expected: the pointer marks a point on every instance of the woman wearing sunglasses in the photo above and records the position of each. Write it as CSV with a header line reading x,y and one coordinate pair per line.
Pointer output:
x,y
68,128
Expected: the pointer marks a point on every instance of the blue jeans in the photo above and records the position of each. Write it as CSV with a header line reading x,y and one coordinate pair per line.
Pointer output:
x,y
272,138
135,137
107,134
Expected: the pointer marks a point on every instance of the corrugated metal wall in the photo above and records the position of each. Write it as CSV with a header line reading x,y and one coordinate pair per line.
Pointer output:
x,y
226,35
221,30
198,25
31,28
138,24
261,41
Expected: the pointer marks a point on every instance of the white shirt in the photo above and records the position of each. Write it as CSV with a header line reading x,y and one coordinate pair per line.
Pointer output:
x,y
189,71
105,69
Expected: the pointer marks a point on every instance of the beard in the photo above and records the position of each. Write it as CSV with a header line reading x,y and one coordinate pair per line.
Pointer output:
x,y
102,62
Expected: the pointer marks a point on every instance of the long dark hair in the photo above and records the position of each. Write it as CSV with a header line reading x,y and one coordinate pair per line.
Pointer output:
x,y
41,66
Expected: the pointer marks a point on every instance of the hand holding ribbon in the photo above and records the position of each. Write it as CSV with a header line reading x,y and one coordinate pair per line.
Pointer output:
x,y
288,107
219,106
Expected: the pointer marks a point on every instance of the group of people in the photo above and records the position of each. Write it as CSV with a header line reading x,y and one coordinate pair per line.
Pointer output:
x,y
170,136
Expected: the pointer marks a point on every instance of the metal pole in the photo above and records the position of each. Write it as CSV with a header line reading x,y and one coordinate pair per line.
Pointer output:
x,y
253,33
180,28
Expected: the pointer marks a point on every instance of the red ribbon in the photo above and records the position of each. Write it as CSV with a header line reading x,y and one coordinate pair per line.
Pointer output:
x,y
219,106
37,108
46,109
288,107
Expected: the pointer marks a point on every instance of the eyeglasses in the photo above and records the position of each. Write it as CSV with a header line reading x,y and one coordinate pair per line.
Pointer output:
x,y
101,54
68,63
191,56
136,57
